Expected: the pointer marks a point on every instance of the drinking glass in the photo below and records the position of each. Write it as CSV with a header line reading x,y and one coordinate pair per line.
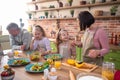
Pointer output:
x,y
16,53
108,69
57,64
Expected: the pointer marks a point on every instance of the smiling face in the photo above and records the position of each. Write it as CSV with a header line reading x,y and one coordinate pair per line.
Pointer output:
x,y
64,35
13,32
37,34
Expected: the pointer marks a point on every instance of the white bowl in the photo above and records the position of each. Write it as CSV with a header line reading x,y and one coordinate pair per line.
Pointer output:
x,y
52,77
90,76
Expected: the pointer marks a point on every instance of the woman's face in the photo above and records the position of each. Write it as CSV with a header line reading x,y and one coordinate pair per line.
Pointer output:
x,y
37,35
64,36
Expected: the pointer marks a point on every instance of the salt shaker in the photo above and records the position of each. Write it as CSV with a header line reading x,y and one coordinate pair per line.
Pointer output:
x,y
53,70
46,72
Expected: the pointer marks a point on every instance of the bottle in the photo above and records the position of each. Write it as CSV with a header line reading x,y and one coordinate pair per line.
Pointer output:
x,y
112,38
115,39
46,72
36,7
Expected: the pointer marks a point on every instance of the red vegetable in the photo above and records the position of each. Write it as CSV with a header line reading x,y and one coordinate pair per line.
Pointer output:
x,y
117,75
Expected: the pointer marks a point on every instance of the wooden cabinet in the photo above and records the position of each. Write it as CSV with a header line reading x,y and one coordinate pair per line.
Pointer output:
x,y
72,7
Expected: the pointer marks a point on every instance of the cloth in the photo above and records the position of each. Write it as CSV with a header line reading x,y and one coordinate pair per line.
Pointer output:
x,y
43,44
88,42
24,37
100,41
66,50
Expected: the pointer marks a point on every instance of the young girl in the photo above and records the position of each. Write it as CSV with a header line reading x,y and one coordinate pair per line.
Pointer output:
x,y
40,41
63,44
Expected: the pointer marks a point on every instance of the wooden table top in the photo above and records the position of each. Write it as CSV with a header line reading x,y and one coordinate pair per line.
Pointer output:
x,y
63,73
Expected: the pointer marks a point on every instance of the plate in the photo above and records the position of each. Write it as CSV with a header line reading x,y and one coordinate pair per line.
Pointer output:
x,y
53,56
28,68
90,76
15,61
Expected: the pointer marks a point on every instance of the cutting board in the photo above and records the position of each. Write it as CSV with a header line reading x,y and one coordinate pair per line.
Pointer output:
x,y
82,69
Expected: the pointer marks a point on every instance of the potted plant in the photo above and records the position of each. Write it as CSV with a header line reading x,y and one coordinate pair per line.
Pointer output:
x,y
46,14
30,15
72,12
70,2
113,9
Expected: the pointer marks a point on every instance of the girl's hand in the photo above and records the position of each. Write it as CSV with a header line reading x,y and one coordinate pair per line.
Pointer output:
x,y
73,43
76,43
33,39
94,53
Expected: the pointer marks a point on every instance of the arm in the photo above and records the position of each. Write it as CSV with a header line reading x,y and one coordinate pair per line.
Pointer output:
x,y
103,43
34,44
13,43
31,44
48,47
26,40
73,50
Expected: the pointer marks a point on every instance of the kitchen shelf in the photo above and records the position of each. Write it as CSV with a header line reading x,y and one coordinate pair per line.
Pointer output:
x,y
52,19
107,17
36,2
73,7
96,17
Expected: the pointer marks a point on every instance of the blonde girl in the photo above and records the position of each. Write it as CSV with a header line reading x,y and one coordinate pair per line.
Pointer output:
x,y
40,41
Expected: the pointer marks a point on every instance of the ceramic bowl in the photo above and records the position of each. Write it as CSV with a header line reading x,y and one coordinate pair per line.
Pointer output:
x,y
11,77
90,76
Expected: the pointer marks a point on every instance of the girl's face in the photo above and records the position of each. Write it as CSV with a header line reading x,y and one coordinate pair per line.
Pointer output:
x,y
64,36
37,35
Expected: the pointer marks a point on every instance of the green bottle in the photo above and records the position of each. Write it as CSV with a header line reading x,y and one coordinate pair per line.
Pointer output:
x,y
78,55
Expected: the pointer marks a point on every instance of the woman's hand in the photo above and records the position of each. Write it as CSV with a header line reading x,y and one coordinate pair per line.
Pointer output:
x,y
94,53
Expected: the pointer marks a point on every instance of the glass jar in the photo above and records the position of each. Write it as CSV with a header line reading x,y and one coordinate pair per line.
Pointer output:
x,y
108,69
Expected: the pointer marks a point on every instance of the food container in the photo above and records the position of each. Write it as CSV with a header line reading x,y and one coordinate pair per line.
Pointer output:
x,y
7,73
90,76
11,77
98,13
82,2
108,70
52,76
35,56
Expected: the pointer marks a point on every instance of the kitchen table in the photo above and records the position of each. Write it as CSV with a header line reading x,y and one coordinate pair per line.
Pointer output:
x,y
63,73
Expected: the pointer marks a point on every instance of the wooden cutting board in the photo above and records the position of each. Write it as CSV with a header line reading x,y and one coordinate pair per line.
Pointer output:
x,y
82,69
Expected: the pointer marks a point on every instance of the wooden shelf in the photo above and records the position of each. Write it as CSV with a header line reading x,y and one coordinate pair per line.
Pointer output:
x,y
107,17
96,17
79,6
53,19
36,2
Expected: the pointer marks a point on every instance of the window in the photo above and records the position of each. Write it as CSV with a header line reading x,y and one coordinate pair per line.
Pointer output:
x,y
12,11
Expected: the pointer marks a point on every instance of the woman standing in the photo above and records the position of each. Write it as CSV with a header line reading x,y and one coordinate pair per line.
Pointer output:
x,y
94,42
